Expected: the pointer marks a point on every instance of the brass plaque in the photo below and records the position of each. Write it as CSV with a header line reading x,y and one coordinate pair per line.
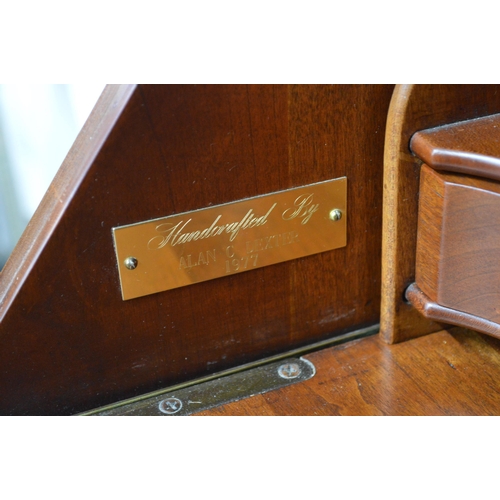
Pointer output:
x,y
219,241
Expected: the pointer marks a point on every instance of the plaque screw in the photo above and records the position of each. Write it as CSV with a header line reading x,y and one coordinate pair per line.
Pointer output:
x,y
289,370
335,214
130,263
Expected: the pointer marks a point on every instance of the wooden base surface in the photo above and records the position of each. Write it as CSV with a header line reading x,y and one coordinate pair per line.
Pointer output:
x,y
454,372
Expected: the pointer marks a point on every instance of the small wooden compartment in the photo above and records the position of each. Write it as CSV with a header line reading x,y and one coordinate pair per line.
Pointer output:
x,y
457,274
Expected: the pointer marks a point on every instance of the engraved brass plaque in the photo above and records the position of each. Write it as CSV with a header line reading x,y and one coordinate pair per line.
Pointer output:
x,y
209,243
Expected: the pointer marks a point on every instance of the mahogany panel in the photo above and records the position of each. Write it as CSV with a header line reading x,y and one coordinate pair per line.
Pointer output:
x,y
430,222
459,242
415,108
68,343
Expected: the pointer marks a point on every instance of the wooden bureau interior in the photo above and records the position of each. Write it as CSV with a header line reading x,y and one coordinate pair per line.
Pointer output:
x,y
322,182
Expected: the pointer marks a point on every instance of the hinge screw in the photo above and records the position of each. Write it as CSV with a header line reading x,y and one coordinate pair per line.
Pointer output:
x,y
289,370
170,406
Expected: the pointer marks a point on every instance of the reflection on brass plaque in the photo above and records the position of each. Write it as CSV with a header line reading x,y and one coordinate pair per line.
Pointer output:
x,y
209,243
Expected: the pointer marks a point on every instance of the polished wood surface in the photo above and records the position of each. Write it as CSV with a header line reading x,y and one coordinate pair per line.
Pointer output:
x,y
415,108
432,310
454,372
431,214
471,147
457,268
60,194
68,343
458,245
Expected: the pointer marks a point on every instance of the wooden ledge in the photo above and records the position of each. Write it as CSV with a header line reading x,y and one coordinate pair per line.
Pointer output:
x,y
435,312
471,147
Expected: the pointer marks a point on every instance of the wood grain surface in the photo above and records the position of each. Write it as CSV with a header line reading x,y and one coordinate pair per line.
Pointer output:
x,y
471,147
432,310
68,343
454,372
457,269
415,108
458,245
